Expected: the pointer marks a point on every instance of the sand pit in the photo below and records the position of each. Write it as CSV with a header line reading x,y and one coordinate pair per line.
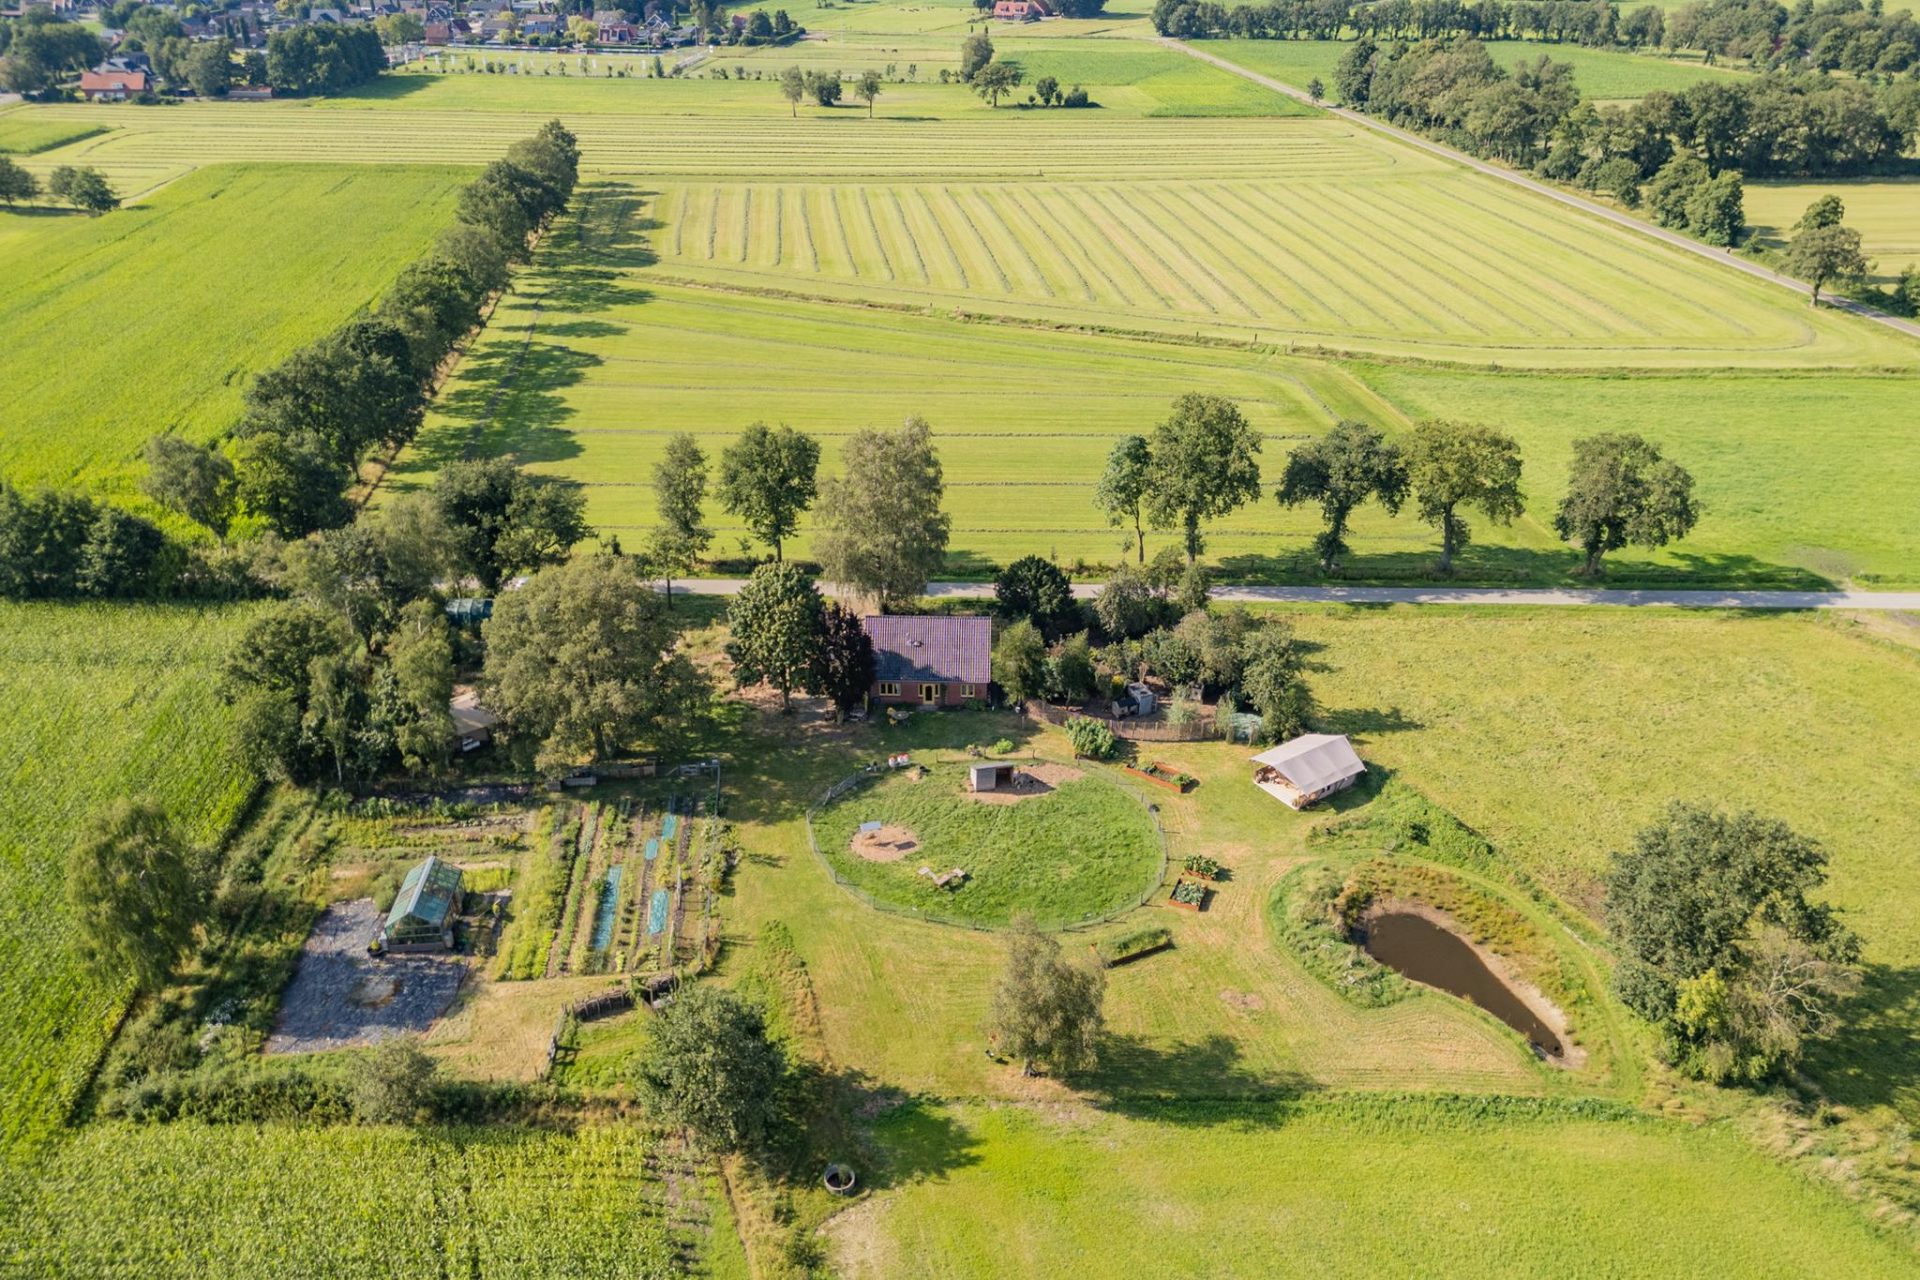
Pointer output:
x,y
887,844
1029,780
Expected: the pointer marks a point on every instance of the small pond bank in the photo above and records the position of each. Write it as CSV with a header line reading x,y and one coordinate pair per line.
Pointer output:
x,y
1419,943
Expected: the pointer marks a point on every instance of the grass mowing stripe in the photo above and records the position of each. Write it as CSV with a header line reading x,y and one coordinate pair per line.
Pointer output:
x,y
1062,250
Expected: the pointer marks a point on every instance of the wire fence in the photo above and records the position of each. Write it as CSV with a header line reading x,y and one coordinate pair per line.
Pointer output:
x,y
1091,920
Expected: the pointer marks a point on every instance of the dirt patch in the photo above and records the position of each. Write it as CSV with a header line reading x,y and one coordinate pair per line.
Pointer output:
x,y
1244,1001
1029,780
885,844
340,996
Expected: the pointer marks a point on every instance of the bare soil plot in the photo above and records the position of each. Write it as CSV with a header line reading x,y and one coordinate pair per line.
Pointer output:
x,y
885,843
341,997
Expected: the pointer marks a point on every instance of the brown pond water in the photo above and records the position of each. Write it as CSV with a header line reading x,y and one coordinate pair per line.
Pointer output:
x,y
1424,951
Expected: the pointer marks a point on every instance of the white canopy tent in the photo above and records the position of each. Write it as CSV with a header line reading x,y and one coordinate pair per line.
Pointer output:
x,y
1308,768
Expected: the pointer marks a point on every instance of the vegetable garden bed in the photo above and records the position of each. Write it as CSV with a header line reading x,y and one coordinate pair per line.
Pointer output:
x,y
1161,774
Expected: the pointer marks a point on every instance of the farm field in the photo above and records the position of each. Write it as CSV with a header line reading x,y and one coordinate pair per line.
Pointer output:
x,y
1601,74
1782,462
595,396
1353,1189
218,272
1885,213
243,1201
21,134
104,701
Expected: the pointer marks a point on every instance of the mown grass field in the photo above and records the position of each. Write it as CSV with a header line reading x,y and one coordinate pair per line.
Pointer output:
x,y
21,134
153,319
246,1201
102,702
1602,74
1886,213
617,362
1355,1189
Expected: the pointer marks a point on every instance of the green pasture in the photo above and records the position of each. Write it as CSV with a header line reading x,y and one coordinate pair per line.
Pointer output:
x,y
244,1201
102,701
1886,213
1601,74
1072,854
1556,734
618,362
1344,1188
153,319
23,134
1808,474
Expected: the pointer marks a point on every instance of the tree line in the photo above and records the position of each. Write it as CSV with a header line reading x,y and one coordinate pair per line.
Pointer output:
x,y
1763,126
1833,35
307,424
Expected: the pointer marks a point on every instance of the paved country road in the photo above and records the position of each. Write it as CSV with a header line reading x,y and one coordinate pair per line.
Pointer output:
x,y
1673,238
1557,597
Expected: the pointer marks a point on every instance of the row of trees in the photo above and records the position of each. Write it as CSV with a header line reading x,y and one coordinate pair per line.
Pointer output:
x,y
309,421
1833,35
1763,126
1202,463
882,532
83,188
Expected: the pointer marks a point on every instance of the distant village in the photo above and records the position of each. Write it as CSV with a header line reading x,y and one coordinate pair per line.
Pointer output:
x,y
148,50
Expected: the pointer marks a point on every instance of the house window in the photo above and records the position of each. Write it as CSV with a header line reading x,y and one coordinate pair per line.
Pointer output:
x,y
889,689
929,693
969,691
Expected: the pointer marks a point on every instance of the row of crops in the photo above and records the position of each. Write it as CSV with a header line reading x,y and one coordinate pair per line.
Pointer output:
x,y
1298,258
246,1202
101,701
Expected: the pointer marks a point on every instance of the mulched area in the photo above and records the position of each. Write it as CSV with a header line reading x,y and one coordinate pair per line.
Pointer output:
x,y
341,997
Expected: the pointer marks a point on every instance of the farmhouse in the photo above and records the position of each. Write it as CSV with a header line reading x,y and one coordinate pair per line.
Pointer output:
x,y
423,910
930,661
1308,768
113,86
1021,10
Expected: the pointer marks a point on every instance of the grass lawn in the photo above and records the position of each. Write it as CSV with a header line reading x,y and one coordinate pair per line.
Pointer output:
x,y
1600,74
1074,853
154,317
104,701
1355,1188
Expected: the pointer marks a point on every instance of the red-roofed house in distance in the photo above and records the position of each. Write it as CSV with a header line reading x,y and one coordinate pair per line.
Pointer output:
x,y
113,86
1021,10
930,661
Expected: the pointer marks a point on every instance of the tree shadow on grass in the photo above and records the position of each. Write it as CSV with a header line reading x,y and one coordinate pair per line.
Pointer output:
x,y
1523,567
1204,1082
895,1138
1871,1061
1365,722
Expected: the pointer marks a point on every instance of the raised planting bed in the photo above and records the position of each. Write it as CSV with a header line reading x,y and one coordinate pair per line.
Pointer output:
x,y
1206,868
1131,946
1189,894
1161,774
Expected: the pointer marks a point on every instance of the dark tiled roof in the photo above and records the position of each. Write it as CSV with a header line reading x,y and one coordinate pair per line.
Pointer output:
x,y
931,648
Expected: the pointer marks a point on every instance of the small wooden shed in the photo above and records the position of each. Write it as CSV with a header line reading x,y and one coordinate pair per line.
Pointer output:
x,y
989,777
1308,768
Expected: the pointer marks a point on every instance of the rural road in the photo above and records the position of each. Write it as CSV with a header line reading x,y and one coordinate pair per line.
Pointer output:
x,y
1548,596
1674,238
